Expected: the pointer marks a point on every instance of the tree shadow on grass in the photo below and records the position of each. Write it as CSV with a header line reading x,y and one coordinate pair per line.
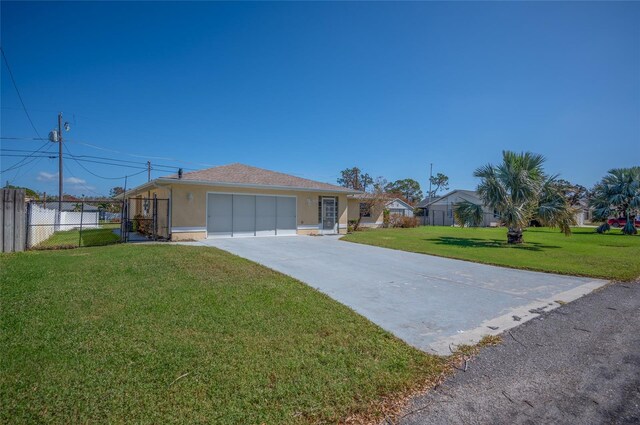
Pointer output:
x,y
489,243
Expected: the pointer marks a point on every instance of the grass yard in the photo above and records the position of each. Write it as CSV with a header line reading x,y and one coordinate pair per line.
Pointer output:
x,y
165,333
90,237
585,253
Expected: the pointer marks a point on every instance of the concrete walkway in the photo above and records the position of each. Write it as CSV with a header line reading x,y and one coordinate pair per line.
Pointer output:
x,y
429,302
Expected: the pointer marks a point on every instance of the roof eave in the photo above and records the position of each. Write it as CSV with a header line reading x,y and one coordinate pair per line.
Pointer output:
x,y
250,185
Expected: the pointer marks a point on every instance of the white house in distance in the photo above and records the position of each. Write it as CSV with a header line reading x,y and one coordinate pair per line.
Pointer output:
x,y
373,215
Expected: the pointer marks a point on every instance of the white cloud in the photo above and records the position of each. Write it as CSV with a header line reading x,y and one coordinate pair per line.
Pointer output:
x,y
74,180
46,177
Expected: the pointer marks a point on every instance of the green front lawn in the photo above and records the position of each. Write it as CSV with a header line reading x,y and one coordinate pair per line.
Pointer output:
x,y
89,237
165,333
585,253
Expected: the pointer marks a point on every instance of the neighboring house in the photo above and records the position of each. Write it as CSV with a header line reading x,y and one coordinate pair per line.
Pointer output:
x,y
239,200
584,213
372,215
439,212
422,204
69,206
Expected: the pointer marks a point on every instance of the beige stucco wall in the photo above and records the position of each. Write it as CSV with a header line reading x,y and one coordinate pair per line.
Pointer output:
x,y
376,214
189,203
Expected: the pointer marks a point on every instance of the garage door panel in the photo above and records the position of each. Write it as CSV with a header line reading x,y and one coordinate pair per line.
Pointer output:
x,y
265,215
244,215
250,215
219,214
285,215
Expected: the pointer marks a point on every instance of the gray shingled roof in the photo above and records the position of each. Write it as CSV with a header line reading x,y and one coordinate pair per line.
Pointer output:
x,y
246,175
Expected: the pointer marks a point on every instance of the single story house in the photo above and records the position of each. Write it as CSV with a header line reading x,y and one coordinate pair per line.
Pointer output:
x,y
70,206
439,211
360,206
239,200
423,204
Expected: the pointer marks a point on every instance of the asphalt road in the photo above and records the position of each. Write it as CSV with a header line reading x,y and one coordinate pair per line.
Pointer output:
x,y
578,364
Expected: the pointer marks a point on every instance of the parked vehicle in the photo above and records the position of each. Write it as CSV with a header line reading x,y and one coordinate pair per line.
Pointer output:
x,y
621,221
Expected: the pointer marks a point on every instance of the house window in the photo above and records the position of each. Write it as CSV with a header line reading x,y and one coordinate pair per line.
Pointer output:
x,y
496,214
396,211
365,210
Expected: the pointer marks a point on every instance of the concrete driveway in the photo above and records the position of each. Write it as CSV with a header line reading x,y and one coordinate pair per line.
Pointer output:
x,y
429,302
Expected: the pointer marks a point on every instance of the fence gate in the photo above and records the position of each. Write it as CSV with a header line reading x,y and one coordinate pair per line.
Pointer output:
x,y
146,219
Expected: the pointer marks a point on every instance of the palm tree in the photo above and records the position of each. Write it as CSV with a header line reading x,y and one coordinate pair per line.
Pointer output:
x,y
519,191
617,194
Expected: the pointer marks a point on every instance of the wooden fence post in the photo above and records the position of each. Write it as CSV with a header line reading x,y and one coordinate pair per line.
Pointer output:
x,y
12,220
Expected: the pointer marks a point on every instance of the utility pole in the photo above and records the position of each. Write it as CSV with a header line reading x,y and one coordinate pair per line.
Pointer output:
x,y
430,177
55,136
148,171
60,188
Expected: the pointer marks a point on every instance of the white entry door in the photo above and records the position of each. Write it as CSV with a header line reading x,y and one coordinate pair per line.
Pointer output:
x,y
239,215
329,215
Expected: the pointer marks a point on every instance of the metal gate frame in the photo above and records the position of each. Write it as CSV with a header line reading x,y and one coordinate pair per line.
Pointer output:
x,y
132,218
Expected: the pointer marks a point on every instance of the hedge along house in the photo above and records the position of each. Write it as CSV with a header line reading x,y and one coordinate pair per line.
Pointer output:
x,y
238,200
371,211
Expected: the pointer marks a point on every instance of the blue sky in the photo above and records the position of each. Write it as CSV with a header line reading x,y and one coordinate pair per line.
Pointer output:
x,y
313,88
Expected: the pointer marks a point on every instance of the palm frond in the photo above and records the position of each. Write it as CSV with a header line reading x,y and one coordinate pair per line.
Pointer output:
x,y
468,214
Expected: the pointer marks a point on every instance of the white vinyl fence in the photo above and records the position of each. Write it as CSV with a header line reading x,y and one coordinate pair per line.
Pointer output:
x,y
43,222
71,220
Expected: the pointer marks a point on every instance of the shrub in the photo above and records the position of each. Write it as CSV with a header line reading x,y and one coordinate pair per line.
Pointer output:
x,y
141,224
403,221
386,218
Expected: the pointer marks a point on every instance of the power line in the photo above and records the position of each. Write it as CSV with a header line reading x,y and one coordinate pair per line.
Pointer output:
x,y
22,138
78,161
147,157
82,184
18,92
103,177
22,164
111,161
163,158
24,107
26,170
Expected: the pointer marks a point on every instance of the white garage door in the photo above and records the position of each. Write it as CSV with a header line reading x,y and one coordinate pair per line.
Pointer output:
x,y
250,215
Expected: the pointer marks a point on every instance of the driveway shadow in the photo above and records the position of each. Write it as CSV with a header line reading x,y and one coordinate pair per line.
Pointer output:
x,y
488,243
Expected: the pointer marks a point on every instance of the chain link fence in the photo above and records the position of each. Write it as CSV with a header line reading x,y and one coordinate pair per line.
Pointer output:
x,y
72,224
445,218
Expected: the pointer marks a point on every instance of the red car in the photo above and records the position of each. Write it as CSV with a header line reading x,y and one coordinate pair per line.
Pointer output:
x,y
621,221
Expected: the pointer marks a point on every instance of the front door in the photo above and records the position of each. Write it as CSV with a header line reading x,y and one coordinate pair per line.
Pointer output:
x,y
329,215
